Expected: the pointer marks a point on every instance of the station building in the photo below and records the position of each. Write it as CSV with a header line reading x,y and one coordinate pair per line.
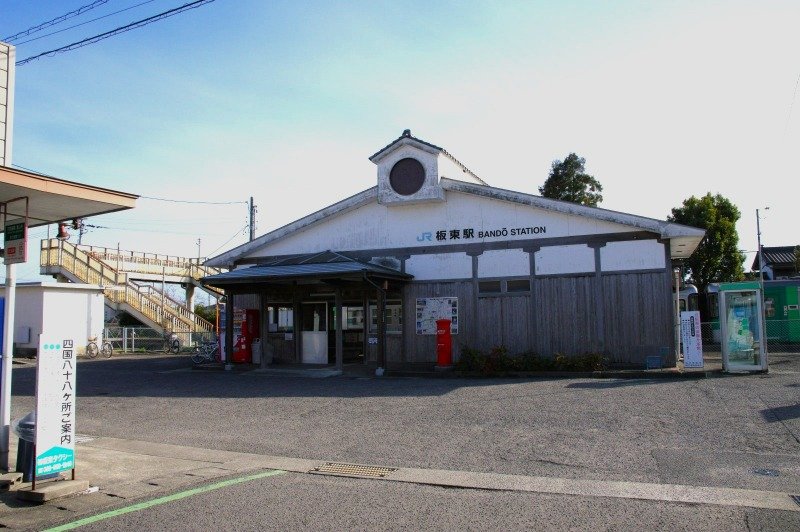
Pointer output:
x,y
432,240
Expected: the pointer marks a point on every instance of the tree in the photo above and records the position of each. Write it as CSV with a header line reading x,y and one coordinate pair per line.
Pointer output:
x,y
208,312
717,258
796,260
568,181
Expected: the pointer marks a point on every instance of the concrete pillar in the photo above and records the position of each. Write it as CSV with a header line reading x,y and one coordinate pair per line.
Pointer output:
x,y
190,297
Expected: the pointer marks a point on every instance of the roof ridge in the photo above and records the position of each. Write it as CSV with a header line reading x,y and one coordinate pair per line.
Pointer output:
x,y
406,135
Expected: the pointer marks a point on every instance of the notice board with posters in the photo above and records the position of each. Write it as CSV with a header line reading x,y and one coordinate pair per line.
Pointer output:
x,y
692,340
430,309
55,404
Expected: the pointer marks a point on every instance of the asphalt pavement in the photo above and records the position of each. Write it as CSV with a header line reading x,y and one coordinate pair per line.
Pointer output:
x,y
617,453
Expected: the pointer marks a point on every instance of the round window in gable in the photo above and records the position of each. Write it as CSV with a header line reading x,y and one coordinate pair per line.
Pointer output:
x,y
407,176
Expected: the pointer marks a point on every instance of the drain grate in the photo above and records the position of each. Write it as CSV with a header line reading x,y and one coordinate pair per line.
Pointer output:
x,y
352,470
796,499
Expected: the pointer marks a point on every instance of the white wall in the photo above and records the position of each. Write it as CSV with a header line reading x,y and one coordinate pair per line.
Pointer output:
x,y
632,255
504,263
43,305
375,226
440,266
564,259
28,314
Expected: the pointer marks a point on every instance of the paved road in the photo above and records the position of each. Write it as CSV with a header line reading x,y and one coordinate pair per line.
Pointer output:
x,y
721,432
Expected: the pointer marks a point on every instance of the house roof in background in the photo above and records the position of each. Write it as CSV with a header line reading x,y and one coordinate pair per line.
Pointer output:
x,y
780,256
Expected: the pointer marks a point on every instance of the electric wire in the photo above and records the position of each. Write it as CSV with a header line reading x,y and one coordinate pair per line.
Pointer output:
x,y
150,197
116,31
791,105
239,232
196,202
53,22
82,23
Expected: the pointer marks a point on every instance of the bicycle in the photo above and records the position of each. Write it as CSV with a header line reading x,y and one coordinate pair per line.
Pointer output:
x,y
92,349
206,352
171,343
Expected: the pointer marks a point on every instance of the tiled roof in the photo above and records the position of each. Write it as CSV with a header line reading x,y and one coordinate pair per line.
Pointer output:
x,y
323,265
780,256
406,135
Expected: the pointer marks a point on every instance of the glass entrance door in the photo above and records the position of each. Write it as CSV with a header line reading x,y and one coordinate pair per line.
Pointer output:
x,y
742,338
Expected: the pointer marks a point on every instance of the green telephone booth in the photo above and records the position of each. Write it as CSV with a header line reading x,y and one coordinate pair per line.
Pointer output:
x,y
742,327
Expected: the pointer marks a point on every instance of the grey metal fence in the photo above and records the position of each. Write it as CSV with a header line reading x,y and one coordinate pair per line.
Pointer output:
x,y
783,336
140,339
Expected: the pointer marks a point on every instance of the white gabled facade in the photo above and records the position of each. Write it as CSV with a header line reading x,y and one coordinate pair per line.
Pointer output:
x,y
430,217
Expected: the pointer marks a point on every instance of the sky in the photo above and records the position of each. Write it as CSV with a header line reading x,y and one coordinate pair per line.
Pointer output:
x,y
285,101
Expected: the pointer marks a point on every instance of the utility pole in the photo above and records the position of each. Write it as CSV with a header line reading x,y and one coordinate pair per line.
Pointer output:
x,y
763,324
252,220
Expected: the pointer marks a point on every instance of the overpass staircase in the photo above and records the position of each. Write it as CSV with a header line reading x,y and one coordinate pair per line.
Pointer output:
x,y
123,274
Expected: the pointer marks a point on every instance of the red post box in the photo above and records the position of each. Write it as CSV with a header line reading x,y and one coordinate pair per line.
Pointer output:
x,y
444,344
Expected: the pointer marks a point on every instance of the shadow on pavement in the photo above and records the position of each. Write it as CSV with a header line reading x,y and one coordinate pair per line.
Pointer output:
x,y
781,413
621,383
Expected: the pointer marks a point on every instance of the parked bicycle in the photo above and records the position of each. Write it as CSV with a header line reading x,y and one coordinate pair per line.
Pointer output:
x,y
207,351
93,349
171,343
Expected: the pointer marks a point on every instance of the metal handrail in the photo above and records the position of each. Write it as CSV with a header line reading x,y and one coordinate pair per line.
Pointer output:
x,y
92,270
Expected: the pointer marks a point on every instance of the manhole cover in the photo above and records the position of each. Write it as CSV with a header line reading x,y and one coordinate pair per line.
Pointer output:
x,y
766,472
352,470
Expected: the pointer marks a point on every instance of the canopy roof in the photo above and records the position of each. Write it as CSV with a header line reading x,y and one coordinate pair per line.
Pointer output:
x,y
53,200
316,267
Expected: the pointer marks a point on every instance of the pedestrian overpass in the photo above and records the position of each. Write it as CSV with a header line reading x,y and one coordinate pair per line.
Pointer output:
x,y
126,276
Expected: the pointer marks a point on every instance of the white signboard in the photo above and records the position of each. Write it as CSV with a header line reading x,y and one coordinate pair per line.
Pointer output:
x,y
691,338
16,242
55,404
430,309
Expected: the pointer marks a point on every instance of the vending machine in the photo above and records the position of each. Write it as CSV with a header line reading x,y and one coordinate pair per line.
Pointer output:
x,y
247,330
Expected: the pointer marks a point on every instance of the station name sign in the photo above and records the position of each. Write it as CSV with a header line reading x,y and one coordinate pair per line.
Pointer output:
x,y
470,233
15,240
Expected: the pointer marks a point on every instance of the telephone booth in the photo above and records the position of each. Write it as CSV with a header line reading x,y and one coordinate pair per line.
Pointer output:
x,y
742,327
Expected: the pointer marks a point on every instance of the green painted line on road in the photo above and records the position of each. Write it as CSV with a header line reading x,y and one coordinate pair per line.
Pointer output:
x,y
164,500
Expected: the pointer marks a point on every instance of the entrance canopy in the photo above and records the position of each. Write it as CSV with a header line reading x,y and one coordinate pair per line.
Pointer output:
x,y
53,200
326,267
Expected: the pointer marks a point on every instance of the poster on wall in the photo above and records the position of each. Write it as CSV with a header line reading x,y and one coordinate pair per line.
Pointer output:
x,y
692,339
55,404
430,309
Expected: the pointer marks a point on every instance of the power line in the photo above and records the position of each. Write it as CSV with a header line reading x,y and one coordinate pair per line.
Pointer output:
x,y
240,231
794,95
152,197
82,23
195,202
62,18
117,31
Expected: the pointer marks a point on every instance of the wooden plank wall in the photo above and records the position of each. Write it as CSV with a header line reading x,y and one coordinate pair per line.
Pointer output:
x,y
422,348
638,322
636,318
506,321
566,316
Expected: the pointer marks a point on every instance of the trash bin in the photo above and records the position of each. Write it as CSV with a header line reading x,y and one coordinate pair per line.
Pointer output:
x,y
25,428
255,350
